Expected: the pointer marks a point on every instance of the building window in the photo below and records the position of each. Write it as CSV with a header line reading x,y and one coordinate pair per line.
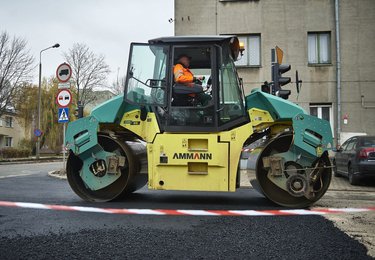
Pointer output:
x,y
251,55
8,141
9,121
319,48
322,111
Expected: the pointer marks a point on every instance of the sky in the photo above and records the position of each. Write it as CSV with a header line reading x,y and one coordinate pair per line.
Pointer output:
x,y
106,26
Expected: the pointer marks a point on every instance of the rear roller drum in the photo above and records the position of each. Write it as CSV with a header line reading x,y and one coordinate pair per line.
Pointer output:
x,y
126,183
300,191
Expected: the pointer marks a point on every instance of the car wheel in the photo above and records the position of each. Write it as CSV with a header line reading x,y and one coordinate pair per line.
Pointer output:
x,y
353,180
334,169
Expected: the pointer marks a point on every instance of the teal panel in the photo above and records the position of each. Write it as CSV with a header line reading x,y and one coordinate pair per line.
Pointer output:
x,y
112,110
279,108
81,135
90,180
311,132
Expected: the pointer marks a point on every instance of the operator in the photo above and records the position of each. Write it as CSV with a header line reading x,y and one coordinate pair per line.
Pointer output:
x,y
183,75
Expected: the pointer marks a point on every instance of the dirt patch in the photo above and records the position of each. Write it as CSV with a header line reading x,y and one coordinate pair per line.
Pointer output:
x,y
60,174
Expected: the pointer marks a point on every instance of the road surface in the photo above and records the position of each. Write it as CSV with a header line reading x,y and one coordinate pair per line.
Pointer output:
x,y
49,234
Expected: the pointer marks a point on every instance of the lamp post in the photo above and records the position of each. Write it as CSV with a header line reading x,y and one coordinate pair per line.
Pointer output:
x,y
39,95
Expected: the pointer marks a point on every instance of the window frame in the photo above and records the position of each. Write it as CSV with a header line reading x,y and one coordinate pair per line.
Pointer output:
x,y
319,107
318,34
10,125
352,148
6,141
248,65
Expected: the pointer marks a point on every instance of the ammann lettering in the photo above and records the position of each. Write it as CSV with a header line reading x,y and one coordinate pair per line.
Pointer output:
x,y
193,156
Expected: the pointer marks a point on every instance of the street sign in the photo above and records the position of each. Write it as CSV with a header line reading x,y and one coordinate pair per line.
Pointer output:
x,y
63,72
279,54
63,115
64,98
38,132
65,85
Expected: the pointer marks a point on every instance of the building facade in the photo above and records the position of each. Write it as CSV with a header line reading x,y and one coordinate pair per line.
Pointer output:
x,y
306,31
11,132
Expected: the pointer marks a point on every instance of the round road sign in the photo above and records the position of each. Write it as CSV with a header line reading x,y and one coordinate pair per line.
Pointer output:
x,y
63,72
38,132
64,98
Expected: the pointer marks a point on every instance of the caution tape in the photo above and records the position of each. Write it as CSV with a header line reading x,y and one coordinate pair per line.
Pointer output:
x,y
187,212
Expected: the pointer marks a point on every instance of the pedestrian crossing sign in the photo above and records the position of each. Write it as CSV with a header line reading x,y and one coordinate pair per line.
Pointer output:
x,y
63,115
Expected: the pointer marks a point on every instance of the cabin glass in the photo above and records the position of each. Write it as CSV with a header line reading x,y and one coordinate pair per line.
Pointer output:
x,y
231,98
146,78
193,110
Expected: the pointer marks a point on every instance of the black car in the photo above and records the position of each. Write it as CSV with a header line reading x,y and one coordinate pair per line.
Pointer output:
x,y
355,159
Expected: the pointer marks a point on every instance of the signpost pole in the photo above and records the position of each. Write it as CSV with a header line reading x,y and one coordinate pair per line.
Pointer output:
x,y
63,146
63,99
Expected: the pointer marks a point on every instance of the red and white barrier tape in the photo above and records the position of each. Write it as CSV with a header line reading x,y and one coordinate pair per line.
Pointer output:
x,y
188,212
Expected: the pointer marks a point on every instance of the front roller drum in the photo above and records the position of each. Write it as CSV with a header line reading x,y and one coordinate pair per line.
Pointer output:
x,y
129,180
295,195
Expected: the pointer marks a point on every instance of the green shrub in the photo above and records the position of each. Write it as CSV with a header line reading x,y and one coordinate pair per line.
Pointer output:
x,y
11,152
26,144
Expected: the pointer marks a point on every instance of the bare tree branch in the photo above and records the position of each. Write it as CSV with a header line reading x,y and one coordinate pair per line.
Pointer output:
x,y
16,65
89,71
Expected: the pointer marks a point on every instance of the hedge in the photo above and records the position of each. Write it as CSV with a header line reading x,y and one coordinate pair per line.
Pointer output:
x,y
11,152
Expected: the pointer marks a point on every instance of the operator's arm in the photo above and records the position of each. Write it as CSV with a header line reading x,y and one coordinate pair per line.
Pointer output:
x,y
180,76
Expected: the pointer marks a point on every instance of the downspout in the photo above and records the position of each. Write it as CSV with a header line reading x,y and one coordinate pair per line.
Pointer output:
x,y
338,72
216,17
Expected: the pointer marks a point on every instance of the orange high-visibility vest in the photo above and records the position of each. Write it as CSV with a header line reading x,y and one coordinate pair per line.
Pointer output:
x,y
182,75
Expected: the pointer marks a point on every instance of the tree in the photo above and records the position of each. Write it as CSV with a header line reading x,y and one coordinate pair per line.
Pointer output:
x,y
89,71
16,65
27,108
117,86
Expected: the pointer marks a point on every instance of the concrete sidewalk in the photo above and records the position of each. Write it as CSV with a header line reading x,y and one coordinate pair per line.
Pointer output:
x,y
31,160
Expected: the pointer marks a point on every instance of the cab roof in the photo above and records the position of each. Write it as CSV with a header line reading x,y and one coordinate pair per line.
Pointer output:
x,y
192,39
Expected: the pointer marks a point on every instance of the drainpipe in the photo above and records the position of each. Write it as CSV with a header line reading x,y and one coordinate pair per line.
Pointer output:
x,y
338,72
216,17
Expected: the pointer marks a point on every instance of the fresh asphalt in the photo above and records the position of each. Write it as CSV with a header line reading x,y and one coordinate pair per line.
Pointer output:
x,y
48,234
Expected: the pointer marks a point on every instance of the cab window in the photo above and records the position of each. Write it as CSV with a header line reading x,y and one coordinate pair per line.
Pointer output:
x,y
231,99
192,102
147,74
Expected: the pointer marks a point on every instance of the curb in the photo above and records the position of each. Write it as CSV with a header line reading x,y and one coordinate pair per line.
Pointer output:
x,y
55,174
31,161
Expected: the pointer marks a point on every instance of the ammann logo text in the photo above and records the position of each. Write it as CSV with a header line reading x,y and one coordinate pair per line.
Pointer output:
x,y
193,156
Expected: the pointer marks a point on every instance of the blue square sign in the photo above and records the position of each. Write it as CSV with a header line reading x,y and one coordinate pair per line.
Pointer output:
x,y
63,115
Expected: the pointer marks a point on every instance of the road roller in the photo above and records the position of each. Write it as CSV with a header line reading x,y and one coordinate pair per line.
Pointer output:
x,y
189,136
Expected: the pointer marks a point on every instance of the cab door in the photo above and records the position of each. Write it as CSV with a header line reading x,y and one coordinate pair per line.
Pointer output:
x,y
148,74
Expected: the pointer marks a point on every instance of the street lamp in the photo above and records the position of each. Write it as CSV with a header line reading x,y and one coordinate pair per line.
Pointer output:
x,y
39,95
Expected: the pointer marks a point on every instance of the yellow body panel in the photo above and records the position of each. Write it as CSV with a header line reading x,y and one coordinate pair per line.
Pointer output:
x,y
146,129
194,161
188,162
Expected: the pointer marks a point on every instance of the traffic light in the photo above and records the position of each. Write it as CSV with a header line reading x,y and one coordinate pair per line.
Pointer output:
x,y
278,70
79,110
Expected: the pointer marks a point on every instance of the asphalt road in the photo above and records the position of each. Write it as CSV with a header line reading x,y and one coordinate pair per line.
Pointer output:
x,y
48,234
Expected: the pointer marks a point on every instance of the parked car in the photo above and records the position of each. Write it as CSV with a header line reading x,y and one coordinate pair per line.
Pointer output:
x,y
355,159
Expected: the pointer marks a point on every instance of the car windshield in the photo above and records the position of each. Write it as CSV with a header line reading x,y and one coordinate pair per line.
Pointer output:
x,y
368,141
